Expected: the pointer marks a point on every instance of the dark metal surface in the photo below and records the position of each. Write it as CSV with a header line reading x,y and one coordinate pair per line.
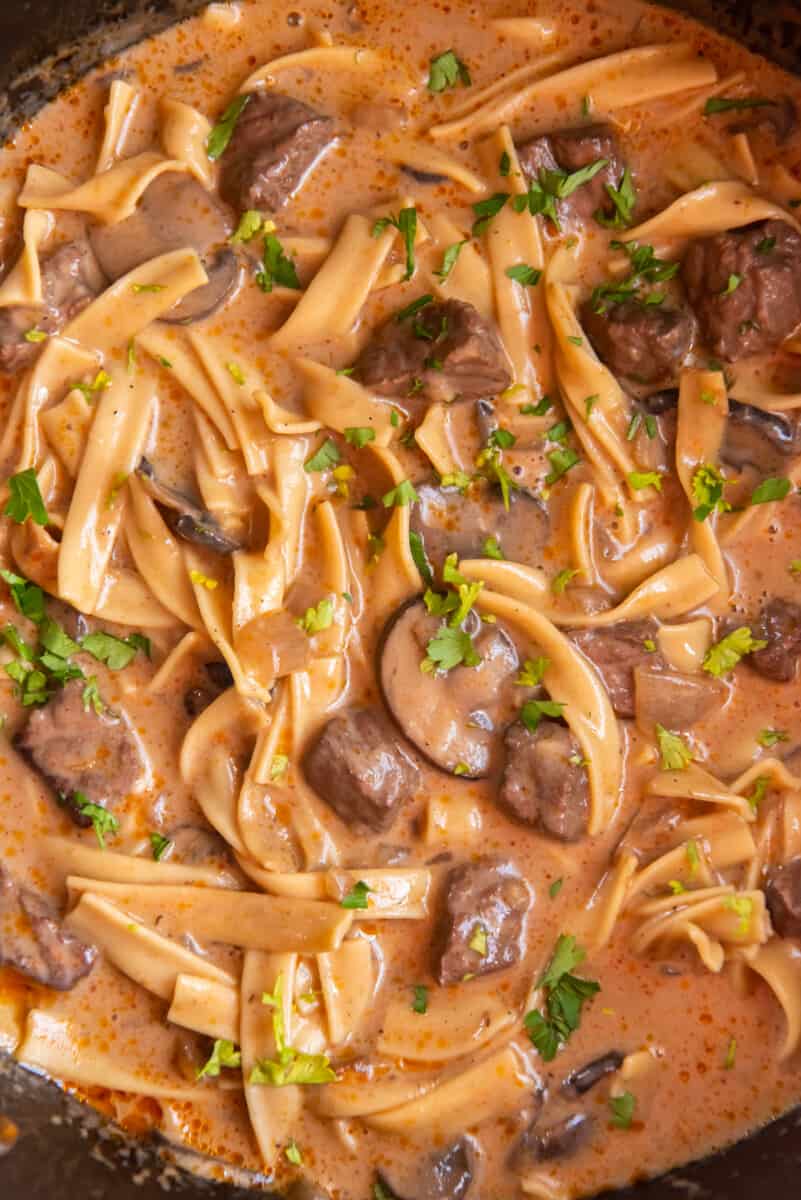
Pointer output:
x,y
62,1149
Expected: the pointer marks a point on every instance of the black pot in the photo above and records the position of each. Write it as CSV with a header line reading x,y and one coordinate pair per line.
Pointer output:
x,y
63,1149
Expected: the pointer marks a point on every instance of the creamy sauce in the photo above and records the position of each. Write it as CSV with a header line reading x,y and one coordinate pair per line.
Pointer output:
x,y
688,1101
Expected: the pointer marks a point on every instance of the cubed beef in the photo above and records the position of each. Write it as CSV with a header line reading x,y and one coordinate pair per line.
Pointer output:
x,y
643,342
569,150
544,782
33,942
484,912
358,765
442,352
79,750
71,279
275,143
783,894
779,624
615,651
745,287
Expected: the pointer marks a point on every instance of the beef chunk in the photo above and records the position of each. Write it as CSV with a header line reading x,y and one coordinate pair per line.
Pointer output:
x,y
615,652
540,785
71,279
485,904
584,1078
764,307
646,343
760,439
275,143
783,894
446,1175
33,942
82,751
569,150
464,355
780,626
561,1140
360,768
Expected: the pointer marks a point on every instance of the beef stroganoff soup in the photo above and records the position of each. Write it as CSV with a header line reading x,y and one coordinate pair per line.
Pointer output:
x,y
401,554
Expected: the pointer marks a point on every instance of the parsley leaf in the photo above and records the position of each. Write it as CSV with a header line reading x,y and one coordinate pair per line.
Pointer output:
x,y
622,1108
293,1154
566,995
222,132
725,654
624,201
28,597
276,268
290,1066
644,479
415,307
160,844
523,274
533,711
318,618
418,553
707,490
773,488
771,737
485,210
325,458
717,104
420,1001
561,580
561,461
357,896
103,822
445,71
533,672
25,499
223,1054
250,223
115,652
90,696
449,259
406,225
401,495
492,549
359,435
676,754
555,888
450,648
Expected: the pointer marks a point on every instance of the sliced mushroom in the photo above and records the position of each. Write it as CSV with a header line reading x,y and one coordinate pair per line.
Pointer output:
x,y
174,212
456,719
781,115
561,1140
583,1078
449,522
672,699
759,439
184,516
448,1175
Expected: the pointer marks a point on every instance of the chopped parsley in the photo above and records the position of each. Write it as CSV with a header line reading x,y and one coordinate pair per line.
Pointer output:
x,y
478,940
561,461
773,488
222,132
533,672
758,794
290,1066
449,647
533,711
101,381
250,223
419,557
415,307
565,996
359,435
323,459
90,696
103,822
523,274
420,1000
277,270
204,581
485,210
357,896
402,495
116,653
140,289
717,104
644,479
28,597
25,499
293,1154
406,224
624,201
726,654
676,754
766,245
562,579
279,766
772,737
492,549
223,1054
558,432
555,888
159,844
236,373
707,491
622,1110
445,71
732,284
35,335
317,618
731,1054
449,259
552,186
